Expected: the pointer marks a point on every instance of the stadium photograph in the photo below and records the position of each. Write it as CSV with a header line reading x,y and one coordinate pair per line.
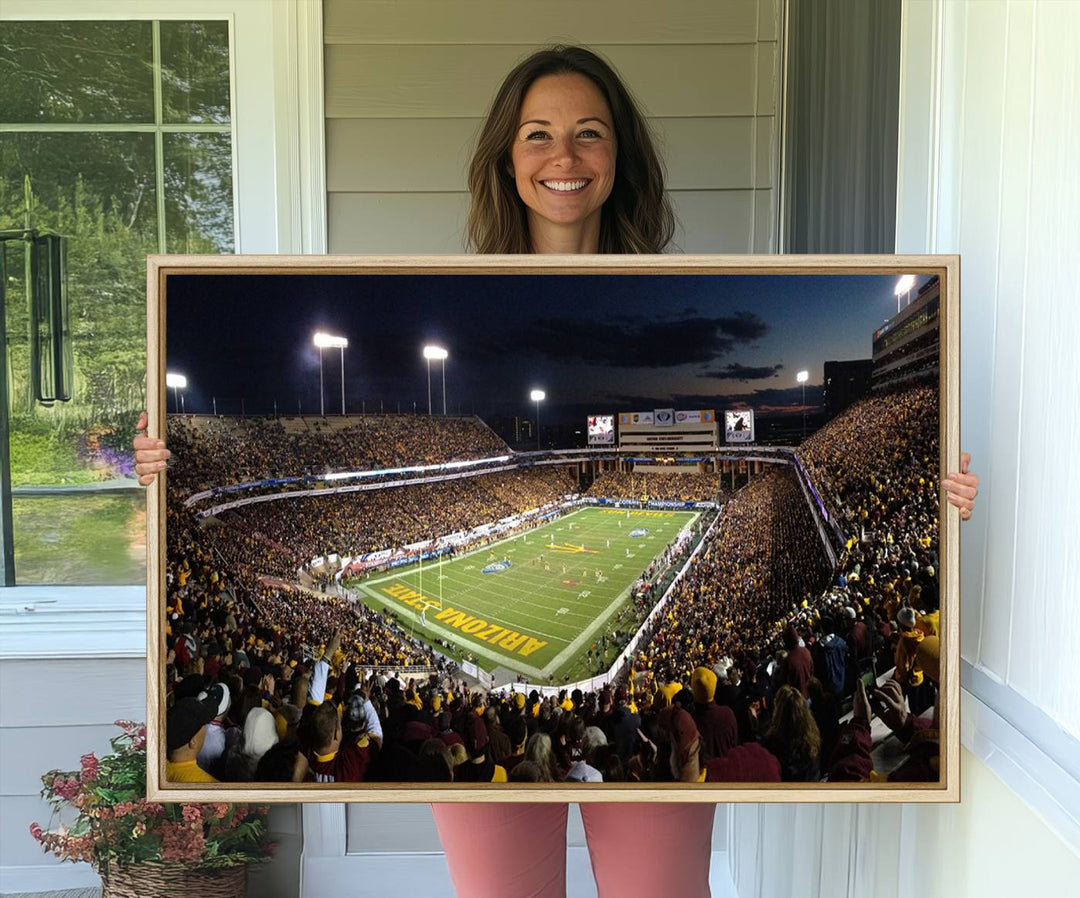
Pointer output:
x,y
487,527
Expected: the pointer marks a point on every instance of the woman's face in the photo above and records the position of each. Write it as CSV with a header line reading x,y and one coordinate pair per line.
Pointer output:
x,y
563,154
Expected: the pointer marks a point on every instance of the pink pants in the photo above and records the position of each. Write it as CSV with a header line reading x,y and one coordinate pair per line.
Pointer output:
x,y
519,850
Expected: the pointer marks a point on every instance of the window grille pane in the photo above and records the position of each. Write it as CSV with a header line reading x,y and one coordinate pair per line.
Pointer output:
x,y
195,72
76,72
198,193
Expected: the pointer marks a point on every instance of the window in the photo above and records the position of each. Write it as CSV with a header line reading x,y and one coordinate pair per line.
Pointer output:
x,y
118,136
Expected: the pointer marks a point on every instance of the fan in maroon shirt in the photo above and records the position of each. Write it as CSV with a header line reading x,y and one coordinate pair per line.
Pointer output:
x,y
332,760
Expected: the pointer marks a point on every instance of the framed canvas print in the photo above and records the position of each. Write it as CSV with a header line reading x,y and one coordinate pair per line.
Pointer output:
x,y
553,529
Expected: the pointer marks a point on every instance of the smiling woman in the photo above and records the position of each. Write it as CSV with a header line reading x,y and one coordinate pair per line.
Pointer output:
x,y
563,162
561,117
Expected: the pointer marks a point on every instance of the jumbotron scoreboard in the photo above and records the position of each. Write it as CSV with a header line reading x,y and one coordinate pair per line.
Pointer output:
x,y
668,430
739,426
601,430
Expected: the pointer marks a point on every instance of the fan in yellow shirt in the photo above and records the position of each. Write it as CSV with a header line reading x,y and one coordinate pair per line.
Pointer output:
x,y
185,732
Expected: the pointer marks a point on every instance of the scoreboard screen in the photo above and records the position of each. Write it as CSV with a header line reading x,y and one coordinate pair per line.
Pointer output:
x,y
739,426
601,430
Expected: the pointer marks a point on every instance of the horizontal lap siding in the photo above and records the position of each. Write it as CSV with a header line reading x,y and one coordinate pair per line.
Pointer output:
x,y
408,84
53,712
380,155
72,693
460,81
523,22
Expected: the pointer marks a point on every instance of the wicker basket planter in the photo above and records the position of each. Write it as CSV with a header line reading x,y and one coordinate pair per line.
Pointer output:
x,y
174,881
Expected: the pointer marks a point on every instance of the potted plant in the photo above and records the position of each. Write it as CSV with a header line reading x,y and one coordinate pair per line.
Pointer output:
x,y
143,848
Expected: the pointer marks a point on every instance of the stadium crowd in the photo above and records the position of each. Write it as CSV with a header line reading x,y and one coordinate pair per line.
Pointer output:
x,y
743,675
683,486
361,522
247,449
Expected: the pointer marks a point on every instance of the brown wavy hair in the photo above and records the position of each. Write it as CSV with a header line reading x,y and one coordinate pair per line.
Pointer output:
x,y
793,726
636,218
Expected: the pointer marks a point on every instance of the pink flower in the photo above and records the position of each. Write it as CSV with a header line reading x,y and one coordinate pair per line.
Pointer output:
x,y
181,842
89,767
36,832
65,788
123,808
192,813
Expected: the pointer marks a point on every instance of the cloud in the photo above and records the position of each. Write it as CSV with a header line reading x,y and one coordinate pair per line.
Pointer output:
x,y
630,343
780,400
770,400
735,371
743,326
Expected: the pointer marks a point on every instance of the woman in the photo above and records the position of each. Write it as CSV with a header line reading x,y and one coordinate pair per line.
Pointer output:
x,y
539,750
794,738
565,164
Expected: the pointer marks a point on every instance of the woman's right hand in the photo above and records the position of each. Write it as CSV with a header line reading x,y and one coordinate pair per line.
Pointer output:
x,y
150,453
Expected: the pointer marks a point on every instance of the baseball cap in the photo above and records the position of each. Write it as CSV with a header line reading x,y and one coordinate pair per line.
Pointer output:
x,y
187,717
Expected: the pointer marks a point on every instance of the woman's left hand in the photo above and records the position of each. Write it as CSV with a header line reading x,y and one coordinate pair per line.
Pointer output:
x,y
151,455
962,488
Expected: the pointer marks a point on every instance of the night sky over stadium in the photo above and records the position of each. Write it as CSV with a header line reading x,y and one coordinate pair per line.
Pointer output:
x,y
595,343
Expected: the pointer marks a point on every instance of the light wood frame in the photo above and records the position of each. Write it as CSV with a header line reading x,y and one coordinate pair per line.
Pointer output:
x,y
947,267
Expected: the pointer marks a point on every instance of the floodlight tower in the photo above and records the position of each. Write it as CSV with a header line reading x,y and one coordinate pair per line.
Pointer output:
x,y
538,396
802,377
177,382
329,340
436,352
903,286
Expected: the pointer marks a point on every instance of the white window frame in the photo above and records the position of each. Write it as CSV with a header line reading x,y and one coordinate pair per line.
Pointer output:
x,y
279,202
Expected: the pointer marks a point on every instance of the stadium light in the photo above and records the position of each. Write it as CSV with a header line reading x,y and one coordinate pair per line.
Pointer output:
x,y
177,382
903,286
802,377
324,341
436,352
538,396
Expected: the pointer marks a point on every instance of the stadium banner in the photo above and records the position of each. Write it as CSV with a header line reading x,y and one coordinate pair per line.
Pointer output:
x,y
239,487
601,430
695,416
412,558
355,488
410,554
739,426
664,504
522,580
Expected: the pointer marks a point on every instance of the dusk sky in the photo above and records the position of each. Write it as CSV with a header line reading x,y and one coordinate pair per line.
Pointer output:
x,y
595,343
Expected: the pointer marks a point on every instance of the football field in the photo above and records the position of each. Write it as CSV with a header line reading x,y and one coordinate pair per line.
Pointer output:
x,y
534,602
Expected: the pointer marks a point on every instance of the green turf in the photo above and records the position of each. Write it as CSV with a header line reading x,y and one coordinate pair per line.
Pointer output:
x,y
536,618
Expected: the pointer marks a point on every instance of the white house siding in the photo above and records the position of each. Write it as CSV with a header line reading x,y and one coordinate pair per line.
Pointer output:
x,y
408,83
52,712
